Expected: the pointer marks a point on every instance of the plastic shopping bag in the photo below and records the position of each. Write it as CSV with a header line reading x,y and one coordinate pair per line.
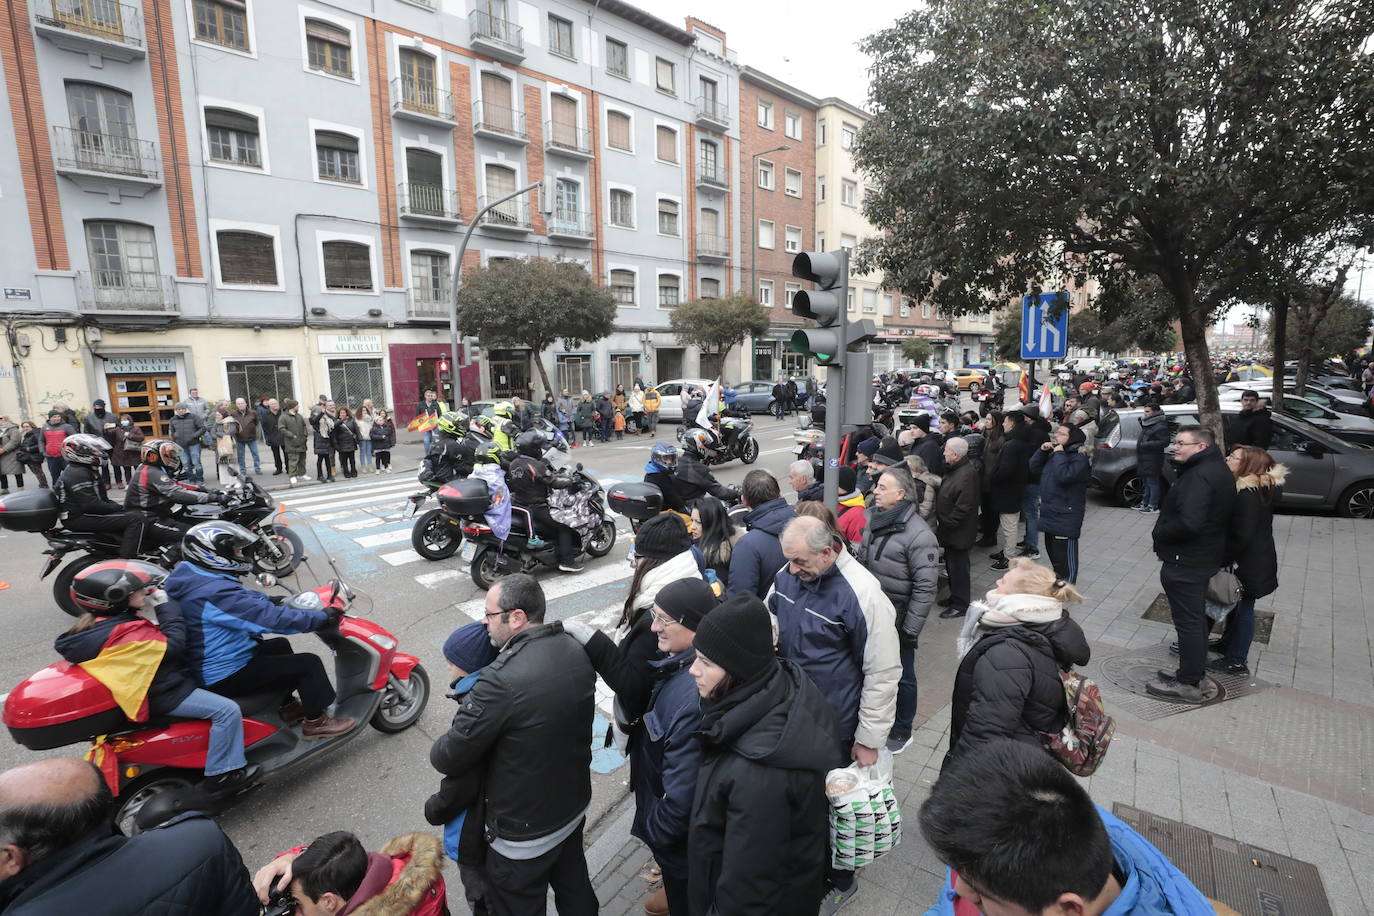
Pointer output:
x,y
865,819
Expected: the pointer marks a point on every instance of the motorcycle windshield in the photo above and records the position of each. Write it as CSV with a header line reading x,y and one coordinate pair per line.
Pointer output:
x,y
318,568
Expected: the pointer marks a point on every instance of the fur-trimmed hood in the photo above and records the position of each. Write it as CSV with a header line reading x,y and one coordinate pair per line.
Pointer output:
x,y
1270,481
414,885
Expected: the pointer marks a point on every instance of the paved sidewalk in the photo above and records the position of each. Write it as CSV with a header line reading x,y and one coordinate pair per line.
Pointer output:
x,y
1289,767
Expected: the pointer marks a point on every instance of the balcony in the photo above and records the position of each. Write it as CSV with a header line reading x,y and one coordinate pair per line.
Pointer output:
x,y
429,304
130,163
567,140
571,224
712,174
712,247
426,201
121,291
499,122
712,114
111,30
511,216
496,36
423,102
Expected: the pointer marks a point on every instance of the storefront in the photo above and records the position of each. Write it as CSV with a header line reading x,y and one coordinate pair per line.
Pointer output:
x,y
354,367
887,349
772,358
144,388
415,367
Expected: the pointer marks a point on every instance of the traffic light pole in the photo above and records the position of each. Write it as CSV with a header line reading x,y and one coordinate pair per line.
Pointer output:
x,y
834,398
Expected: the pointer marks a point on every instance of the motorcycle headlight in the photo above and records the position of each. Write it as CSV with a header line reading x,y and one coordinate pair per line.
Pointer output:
x,y
382,641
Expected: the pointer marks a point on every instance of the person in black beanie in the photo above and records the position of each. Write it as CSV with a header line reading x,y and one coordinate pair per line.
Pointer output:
x,y
767,740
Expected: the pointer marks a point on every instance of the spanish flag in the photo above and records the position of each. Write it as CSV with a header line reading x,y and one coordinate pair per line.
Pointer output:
x,y
423,423
1023,388
127,664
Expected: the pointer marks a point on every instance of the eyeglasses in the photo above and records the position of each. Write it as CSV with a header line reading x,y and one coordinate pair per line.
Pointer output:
x,y
665,622
1179,443
497,614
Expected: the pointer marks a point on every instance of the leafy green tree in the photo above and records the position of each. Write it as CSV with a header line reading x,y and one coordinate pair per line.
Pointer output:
x,y
918,350
717,325
533,303
1019,145
1007,330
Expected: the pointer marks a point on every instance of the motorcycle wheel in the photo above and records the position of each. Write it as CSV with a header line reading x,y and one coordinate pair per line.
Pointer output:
x,y
432,538
603,541
395,714
62,584
749,452
292,550
486,569
138,793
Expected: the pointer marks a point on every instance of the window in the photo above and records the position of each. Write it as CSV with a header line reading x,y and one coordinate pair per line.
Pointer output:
x,y
667,217
419,82
710,158
260,378
123,258
820,241
710,95
246,258
425,183
765,233
766,293
567,207
849,300
765,174
849,192
498,108
561,37
765,114
792,239
669,290
103,131
429,286
336,156
887,305
792,183
790,291
233,137
563,118
222,22
847,134
820,189
347,266
329,48
618,130
870,302
664,74
665,143
905,308
500,181
847,241
925,309
575,373
708,226
623,286
710,288
622,208
617,58
791,125
820,132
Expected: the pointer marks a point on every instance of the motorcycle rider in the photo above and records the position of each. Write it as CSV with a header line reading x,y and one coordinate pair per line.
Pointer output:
x,y
530,480
452,453
83,497
224,621
505,430
661,471
693,479
153,492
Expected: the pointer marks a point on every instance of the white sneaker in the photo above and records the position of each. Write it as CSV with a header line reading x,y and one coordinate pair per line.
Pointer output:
x,y
305,477
293,481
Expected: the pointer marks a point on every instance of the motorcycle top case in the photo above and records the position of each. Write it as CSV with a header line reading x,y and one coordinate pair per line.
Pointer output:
x,y
61,705
35,510
637,501
468,496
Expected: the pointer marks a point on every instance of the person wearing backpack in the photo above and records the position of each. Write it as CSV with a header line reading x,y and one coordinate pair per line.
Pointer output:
x,y
1012,649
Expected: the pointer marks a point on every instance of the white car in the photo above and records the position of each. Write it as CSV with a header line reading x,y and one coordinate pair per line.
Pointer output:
x,y
671,392
1316,391
1314,413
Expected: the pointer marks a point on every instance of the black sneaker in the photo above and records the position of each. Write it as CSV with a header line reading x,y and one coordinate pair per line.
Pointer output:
x,y
232,782
1175,691
1000,563
951,612
1225,666
1030,552
999,555
573,567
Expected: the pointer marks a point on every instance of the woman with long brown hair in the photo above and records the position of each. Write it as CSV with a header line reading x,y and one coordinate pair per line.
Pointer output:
x,y
1251,548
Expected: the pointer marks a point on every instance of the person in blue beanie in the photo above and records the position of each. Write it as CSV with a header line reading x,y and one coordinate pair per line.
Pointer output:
x,y
1021,837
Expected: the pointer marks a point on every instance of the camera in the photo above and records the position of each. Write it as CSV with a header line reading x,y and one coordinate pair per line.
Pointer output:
x,y
281,903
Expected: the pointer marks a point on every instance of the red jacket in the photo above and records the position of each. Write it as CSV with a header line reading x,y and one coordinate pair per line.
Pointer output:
x,y
53,437
853,521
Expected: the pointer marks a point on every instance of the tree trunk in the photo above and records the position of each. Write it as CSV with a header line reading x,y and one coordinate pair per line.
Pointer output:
x,y
538,358
1193,324
1280,325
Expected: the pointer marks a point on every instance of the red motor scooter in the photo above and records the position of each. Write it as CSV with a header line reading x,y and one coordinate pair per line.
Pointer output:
x,y
377,685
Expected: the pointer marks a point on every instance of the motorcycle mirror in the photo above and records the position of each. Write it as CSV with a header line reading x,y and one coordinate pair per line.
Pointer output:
x,y
266,580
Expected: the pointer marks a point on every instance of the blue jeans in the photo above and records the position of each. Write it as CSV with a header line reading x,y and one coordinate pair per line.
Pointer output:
x,y
193,461
364,451
429,439
252,447
906,697
1030,509
226,729
55,467
1149,493
1240,632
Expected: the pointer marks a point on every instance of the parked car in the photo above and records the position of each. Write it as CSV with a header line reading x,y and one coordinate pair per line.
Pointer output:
x,y
1341,400
1325,472
756,396
671,392
1350,427
967,378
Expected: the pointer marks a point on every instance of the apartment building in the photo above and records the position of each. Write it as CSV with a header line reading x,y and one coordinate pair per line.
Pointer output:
x,y
259,198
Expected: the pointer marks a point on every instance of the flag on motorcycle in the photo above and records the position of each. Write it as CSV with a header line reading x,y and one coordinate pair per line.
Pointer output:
x,y
423,423
498,513
709,405
127,664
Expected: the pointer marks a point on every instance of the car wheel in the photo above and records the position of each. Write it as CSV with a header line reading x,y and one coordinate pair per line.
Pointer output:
x,y
1129,487
1357,501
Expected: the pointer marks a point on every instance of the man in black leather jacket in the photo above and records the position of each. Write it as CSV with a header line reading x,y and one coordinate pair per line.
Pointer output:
x,y
530,737
83,497
530,480
153,492
693,479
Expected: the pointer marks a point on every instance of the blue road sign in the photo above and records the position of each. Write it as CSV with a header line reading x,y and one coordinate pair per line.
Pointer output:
x,y
1043,337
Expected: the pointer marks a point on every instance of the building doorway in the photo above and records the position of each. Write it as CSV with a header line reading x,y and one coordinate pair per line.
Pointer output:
x,y
669,363
763,361
148,400
430,372
510,374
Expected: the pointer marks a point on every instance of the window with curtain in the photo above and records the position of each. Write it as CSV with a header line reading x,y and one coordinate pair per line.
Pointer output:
x,y
347,266
792,183
617,58
870,302
710,288
849,192
499,182
622,208
790,290
623,286
792,239
563,116
100,110
765,233
233,137
336,155
561,37
329,48
708,221
791,125
668,217
497,111
222,22
618,130
665,76
666,143
669,290
246,258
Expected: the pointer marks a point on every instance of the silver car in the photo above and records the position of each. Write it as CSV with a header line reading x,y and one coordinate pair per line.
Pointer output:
x,y
1324,472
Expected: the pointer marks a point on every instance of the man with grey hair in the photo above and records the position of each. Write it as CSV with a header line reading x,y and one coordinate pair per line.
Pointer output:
x,y
835,623
956,511
802,476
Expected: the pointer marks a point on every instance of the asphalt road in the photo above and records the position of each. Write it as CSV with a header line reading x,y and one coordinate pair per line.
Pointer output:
x,y
376,784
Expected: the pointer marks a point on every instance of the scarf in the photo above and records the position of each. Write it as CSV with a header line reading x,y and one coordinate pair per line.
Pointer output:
x,y
878,519
999,610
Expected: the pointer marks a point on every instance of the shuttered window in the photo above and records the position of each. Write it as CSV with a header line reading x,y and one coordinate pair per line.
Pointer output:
x,y
618,130
337,156
329,47
666,139
667,217
664,71
347,265
233,137
247,258
623,286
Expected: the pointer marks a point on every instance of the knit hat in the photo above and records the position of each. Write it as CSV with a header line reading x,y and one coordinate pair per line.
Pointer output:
x,y
97,403
686,601
848,479
869,446
737,636
1076,437
922,422
54,413
469,647
661,537
888,454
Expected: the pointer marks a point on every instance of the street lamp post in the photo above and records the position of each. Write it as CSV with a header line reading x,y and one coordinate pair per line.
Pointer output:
x,y
754,222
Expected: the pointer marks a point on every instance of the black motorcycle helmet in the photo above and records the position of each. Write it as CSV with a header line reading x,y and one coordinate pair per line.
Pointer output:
x,y
534,443
221,547
103,589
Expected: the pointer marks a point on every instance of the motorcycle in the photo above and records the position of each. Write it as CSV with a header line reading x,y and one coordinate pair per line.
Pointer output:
x,y
246,504
61,704
737,440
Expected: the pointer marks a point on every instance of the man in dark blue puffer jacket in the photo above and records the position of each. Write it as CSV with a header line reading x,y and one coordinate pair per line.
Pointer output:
x,y
758,555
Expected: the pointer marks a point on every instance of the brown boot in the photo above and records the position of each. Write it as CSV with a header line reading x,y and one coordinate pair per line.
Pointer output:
x,y
326,726
293,713
657,904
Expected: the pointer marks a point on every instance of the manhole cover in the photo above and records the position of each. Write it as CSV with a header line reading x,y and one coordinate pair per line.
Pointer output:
x,y
1158,611
1129,674
1252,880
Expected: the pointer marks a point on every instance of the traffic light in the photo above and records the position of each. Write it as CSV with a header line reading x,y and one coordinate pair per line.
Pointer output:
x,y
827,305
